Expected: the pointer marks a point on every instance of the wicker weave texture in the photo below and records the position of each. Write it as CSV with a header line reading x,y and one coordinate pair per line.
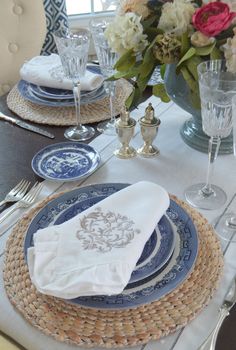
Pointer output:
x,y
90,113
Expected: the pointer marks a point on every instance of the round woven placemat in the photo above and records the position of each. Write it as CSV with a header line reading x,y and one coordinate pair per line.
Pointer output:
x,y
113,328
90,113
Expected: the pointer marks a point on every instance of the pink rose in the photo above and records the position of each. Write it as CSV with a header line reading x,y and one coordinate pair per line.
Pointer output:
x,y
213,18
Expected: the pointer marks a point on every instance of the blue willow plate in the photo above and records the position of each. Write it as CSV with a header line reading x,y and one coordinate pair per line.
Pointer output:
x,y
66,161
27,91
149,289
51,94
44,92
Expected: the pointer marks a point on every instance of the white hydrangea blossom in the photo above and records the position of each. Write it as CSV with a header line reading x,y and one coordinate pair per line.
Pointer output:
x,y
176,16
230,53
125,33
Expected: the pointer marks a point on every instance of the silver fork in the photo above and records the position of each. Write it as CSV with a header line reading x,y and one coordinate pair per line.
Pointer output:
x,y
17,193
26,201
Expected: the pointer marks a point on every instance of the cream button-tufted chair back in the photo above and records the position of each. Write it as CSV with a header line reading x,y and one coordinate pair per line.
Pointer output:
x,y
22,34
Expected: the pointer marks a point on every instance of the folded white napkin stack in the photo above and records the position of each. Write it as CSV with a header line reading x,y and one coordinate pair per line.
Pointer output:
x,y
47,71
95,252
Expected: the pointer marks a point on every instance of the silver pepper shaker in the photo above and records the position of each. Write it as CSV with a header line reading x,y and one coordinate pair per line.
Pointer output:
x,y
125,126
149,127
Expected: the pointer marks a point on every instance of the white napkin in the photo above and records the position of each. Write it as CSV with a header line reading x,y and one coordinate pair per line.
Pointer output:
x,y
95,252
47,71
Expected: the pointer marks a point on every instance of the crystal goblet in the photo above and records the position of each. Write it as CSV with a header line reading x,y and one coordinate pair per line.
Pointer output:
x,y
226,224
73,51
107,59
217,87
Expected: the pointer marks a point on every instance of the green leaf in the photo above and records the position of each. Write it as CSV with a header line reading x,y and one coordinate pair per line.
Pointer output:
x,y
187,56
216,54
126,74
195,99
142,81
206,50
192,64
188,77
148,63
160,91
185,44
133,99
163,70
126,61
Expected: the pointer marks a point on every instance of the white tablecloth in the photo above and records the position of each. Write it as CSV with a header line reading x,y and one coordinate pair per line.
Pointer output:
x,y
177,167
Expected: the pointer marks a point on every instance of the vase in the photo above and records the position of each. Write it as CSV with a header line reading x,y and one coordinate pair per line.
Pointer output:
x,y
191,131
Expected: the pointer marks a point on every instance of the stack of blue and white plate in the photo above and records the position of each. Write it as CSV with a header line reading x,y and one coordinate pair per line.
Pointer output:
x,y
52,97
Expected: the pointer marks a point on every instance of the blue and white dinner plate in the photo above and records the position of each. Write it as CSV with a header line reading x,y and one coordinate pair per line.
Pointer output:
x,y
44,92
66,161
47,93
146,289
27,90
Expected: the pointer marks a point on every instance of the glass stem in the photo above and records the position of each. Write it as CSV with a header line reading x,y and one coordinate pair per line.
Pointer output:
x,y
213,149
76,93
231,222
111,96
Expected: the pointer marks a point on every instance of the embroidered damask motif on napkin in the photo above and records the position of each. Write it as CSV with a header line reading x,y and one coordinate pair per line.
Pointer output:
x,y
47,71
95,252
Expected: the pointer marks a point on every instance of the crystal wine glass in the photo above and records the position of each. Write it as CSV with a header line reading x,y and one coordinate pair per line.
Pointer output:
x,y
107,59
226,224
217,87
73,51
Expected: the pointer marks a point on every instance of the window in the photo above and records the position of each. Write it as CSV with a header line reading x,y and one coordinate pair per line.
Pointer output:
x,y
81,11
90,7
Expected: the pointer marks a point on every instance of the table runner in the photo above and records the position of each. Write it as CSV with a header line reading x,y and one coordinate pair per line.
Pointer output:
x,y
188,166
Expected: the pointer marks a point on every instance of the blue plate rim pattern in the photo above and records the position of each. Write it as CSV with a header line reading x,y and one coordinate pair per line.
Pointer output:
x,y
153,290
64,145
25,89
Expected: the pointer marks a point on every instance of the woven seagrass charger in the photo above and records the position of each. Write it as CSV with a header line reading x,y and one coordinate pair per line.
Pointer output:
x,y
113,328
61,116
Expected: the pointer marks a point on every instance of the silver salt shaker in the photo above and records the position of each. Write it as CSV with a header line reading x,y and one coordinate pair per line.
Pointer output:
x,y
149,127
125,126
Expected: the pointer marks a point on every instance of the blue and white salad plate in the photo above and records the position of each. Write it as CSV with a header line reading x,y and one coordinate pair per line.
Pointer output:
x,y
66,161
148,286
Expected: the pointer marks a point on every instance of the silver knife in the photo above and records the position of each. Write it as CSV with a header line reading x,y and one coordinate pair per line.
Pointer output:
x,y
228,303
26,126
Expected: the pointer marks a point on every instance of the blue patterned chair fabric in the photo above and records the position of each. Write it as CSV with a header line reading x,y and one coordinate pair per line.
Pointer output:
x,y
56,17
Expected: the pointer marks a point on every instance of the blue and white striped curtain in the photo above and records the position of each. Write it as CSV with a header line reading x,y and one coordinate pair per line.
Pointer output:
x,y
56,17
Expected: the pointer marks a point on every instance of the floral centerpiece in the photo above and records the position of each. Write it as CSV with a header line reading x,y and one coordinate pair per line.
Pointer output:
x,y
150,33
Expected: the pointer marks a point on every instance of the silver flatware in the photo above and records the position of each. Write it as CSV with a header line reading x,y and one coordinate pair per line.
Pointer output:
x,y
26,201
17,193
228,303
26,126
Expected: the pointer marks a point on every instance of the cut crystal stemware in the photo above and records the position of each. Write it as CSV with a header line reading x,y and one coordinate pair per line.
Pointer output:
x,y
217,87
107,59
226,224
73,51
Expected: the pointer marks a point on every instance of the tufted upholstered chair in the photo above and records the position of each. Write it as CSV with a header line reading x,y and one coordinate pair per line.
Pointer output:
x,y
22,33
